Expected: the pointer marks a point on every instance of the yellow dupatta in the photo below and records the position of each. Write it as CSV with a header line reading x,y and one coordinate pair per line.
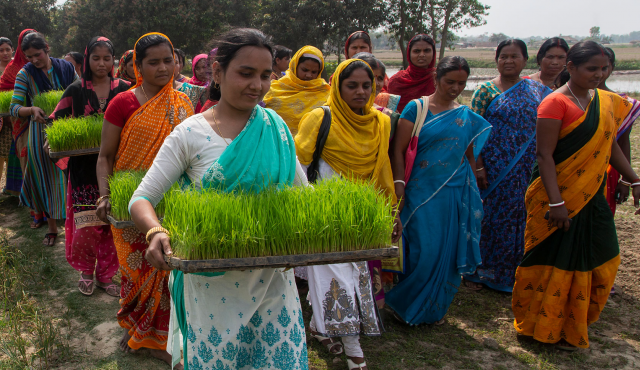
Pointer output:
x,y
357,145
581,175
146,129
292,97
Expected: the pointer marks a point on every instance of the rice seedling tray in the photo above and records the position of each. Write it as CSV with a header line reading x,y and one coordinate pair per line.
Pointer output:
x,y
122,224
73,153
295,260
5,115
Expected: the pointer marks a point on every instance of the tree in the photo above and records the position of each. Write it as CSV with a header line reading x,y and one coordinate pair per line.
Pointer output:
x,y
498,37
17,15
594,32
458,14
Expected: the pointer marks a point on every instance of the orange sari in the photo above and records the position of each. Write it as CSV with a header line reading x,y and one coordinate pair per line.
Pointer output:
x,y
145,308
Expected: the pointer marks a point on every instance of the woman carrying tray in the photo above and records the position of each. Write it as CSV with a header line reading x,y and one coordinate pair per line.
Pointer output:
x,y
136,124
357,146
232,319
88,241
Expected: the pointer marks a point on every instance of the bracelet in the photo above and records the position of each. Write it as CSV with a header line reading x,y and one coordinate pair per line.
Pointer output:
x,y
479,169
635,184
102,198
624,182
154,230
556,205
400,182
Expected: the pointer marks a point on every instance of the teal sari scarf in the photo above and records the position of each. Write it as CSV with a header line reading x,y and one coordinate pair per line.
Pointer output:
x,y
262,155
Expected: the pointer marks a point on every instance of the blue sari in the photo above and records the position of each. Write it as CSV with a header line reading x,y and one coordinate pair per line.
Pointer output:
x,y
513,115
441,215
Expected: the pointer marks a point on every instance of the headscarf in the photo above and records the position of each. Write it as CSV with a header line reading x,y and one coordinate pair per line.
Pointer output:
x,y
414,82
122,68
194,80
146,129
292,97
357,145
8,79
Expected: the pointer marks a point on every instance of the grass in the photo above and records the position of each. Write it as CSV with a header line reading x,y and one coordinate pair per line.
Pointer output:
x,y
48,101
75,133
5,101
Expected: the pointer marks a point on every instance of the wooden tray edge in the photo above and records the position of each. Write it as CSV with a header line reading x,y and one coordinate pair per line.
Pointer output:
x,y
120,224
73,153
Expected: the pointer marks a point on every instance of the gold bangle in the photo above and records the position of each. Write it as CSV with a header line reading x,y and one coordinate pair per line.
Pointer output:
x,y
153,230
101,199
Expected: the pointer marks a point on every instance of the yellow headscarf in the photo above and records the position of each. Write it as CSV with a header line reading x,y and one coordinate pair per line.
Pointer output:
x,y
357,145
292,97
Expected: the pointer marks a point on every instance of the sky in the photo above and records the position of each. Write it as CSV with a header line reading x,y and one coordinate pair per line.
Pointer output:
x,y
523,18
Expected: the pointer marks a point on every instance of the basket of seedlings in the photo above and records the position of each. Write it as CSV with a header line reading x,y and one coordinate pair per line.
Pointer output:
x,y
5,103
122,185
48,102
69,137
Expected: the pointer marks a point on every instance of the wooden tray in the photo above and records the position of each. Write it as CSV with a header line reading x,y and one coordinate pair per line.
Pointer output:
x,y
73,153
231,264
123,224
5,114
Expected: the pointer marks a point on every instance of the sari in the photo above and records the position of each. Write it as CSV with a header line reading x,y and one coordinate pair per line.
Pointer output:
x,y
88,241
194,93
121,73
292,97
145,294
414,82
565,278
442,215
513,115
194,80
389,101
613,176
44,185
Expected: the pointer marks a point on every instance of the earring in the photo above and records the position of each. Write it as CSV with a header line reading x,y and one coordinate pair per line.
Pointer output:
x,y
216,86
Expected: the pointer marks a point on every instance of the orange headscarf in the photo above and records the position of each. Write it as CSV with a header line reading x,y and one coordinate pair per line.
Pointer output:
x,y
146,129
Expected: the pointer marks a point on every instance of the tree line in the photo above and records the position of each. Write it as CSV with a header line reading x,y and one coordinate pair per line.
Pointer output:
x,y
192,24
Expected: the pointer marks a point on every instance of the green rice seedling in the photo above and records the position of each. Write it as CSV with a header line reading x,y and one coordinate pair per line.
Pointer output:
x,y
122,185
48,101
75,133
5,101
332,216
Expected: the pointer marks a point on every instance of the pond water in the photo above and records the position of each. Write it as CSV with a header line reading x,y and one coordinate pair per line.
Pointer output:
x,y
619,83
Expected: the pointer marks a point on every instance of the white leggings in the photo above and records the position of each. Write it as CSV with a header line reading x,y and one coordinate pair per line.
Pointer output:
x,y
352,346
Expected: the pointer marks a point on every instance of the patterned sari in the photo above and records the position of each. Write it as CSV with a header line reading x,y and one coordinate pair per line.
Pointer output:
x,y
565,278
441,217
513,115
145,294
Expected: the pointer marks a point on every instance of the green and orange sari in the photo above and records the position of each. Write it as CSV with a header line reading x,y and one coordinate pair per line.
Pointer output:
x,y
565,278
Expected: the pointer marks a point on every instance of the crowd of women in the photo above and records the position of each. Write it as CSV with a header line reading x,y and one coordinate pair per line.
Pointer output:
x,y
515,193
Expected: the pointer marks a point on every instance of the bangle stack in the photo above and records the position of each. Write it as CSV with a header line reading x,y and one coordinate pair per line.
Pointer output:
x,y
556,205
102,198
154,230
624,182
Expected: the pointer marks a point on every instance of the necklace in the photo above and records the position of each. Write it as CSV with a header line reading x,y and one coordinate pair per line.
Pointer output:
x,y
216,122
145,94
578,100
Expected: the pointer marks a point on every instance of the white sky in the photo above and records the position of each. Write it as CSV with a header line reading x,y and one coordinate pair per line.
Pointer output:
x,y
523,18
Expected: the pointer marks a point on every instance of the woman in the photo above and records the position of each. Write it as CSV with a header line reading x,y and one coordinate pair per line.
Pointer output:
x,y
76,59
6,141
211,149
281,59
418,79
357,146
180,61
196,94
125,67
44,186
571,253
88,241
551,59
441,209
135,125
301,89
618,188
199,68
510,105
384,102
357,42
6,53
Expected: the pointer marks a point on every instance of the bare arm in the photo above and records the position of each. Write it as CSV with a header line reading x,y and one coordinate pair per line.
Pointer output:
x,y
104,168
145,218
620,162
625,146
472,159
400,144
481,176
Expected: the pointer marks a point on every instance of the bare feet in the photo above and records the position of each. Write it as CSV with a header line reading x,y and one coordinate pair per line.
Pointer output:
x,y
124,342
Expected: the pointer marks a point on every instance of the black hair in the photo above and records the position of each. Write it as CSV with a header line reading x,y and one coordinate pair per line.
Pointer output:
x,y
346,73
281,52
148,41
580,54
128,59
304,59
104,44
610,54
77,57
181,56
519,43
425,38
371,60
554,42
359,35
450,64
231,42
5,40
214,93
34,40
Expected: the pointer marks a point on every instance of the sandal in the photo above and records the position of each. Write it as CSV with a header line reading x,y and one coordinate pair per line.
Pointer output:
x,y
331,345
352,365
87,284
48,237
473,286
566,346
37,224
111,289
